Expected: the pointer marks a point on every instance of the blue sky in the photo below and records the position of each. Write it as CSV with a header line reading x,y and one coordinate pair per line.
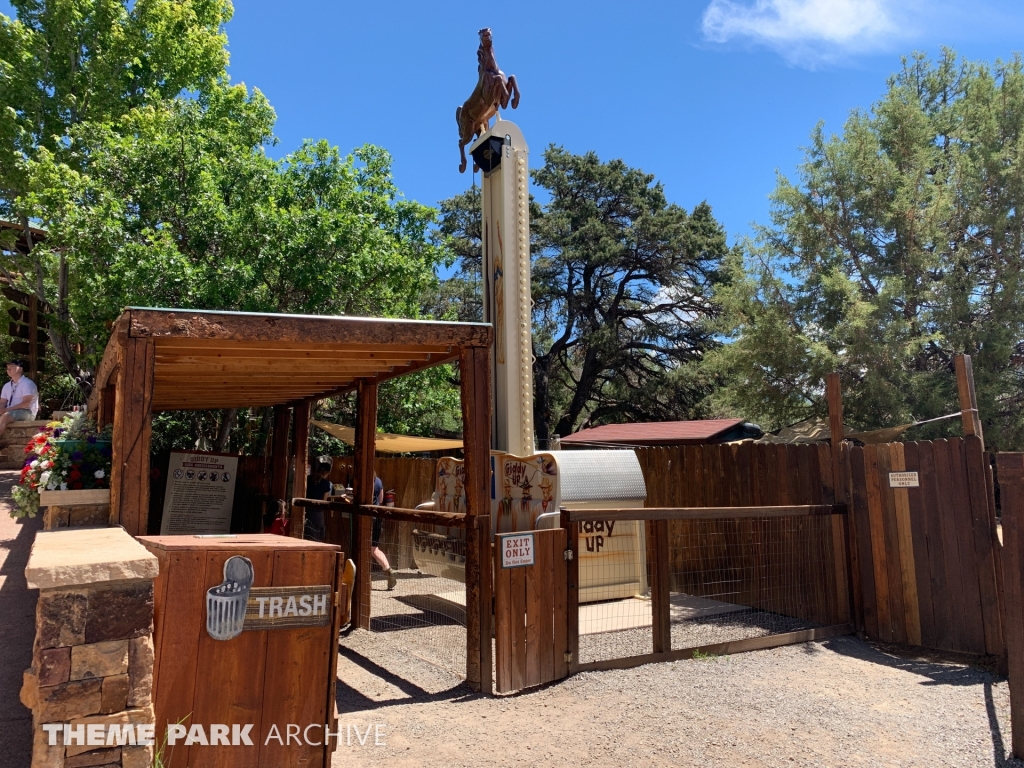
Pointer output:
x,y
712,96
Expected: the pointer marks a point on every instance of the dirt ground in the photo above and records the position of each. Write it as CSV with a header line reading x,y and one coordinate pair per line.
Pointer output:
x,y
841,702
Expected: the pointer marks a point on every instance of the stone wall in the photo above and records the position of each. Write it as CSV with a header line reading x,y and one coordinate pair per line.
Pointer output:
x,y
75,509
93,654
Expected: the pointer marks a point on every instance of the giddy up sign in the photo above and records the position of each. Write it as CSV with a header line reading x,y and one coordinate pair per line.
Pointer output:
x,y
516,550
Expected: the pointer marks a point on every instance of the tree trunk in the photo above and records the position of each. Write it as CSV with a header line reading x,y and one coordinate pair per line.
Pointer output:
x,y
227,423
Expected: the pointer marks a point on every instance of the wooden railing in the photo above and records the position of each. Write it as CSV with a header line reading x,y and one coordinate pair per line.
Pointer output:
x,y
421,516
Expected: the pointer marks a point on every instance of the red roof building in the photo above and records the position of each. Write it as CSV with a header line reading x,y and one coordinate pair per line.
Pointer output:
x,y
663,433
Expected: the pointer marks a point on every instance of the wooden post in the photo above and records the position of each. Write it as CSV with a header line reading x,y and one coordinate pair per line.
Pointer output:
x,y
968,398
279,453
843,531
475,372
362,490
1011,491
129,474
572,597
661,619
300,451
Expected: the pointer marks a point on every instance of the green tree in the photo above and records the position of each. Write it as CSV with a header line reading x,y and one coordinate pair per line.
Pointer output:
x,y
622,281
899,245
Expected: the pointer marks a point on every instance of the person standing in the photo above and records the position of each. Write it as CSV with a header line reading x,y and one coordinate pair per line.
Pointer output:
x,y
319,488
19,396
378,527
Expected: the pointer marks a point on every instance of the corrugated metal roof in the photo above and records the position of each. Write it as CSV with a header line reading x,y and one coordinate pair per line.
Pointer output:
x,y
599,476
655,432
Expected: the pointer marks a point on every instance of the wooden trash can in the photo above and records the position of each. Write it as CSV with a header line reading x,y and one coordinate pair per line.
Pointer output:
x,y
277,670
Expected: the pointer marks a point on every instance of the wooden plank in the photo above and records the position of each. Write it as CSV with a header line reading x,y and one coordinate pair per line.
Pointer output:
x,y
397,514
362,491
279,453
475,375
572,594
722,649
944,632
296,663
879,559
985,543
1011,495
518,635
892,546
559,598
244,326
535,588
969,416
969,566
944,503
170,345
503,620
661,630
240,663
705,513
919,544
129,481
339,607
544,574
179,617
300,466
908,567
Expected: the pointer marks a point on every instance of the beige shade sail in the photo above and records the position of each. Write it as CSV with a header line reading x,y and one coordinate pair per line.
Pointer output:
x,y
388,443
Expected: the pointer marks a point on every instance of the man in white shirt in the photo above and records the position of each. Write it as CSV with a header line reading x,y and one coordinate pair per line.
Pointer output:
x,y
19,399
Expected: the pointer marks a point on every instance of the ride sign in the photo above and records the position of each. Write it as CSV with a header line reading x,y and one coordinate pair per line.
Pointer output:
x,y
516,550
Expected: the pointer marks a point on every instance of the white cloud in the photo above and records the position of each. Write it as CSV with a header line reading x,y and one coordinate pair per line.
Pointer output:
x,y
808,30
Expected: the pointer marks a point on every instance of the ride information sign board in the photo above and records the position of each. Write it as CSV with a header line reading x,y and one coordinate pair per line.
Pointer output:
x,y
200,493
516,550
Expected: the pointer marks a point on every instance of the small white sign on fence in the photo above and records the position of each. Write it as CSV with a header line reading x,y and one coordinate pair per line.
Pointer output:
x,y
516,550
903,480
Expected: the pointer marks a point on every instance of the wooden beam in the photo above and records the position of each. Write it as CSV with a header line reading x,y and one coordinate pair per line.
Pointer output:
x,y
362,490
111,358
721,649
969,415
189,346
382,377
296,353
241,367
301,329
1010,468
300,453
279,453
417,516
705,513
129,476
107,405
475,374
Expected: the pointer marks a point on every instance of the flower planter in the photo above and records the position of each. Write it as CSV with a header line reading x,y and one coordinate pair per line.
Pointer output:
x,y
75,509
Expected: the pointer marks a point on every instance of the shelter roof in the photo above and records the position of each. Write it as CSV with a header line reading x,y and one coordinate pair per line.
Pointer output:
x,y
656,433
210,359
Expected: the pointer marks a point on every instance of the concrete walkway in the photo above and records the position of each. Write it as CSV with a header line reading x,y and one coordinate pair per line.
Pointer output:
x,y
17,627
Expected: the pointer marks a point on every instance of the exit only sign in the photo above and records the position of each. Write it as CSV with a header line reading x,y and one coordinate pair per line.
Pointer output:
x,y
516,550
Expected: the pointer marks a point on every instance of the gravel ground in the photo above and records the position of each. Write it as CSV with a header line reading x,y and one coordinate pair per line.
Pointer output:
x,y
841,702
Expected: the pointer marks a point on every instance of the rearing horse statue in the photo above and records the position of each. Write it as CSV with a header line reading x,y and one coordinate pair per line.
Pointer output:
x,y
492,90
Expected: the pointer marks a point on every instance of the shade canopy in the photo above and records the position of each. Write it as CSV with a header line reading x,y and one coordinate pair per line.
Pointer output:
x,y
206,360
388,443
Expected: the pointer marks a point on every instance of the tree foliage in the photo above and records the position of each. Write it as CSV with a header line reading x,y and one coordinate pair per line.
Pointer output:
x,y
123,138
898,246
621,287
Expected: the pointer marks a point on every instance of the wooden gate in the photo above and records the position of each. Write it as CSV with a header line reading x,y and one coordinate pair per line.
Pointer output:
x,y
530,611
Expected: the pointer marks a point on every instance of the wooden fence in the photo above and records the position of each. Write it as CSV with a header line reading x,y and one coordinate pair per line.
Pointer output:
x,y
924,559
927,556
755,555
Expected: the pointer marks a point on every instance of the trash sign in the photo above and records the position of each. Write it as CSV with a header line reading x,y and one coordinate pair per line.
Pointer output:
x,y
903,480
516,550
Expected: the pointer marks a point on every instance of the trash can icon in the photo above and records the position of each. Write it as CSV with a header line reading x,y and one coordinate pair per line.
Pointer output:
x,y
226,602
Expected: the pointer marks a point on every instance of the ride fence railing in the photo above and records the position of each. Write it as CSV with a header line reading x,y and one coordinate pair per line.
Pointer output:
x,y
706,580
416,595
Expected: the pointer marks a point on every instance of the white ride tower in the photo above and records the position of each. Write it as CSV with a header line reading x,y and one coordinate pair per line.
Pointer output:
x,y
503,158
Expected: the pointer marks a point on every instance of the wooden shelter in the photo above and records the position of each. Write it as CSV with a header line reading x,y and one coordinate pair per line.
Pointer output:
x,y
175,359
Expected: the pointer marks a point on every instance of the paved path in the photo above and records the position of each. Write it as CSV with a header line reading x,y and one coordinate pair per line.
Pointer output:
x,y
17,628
